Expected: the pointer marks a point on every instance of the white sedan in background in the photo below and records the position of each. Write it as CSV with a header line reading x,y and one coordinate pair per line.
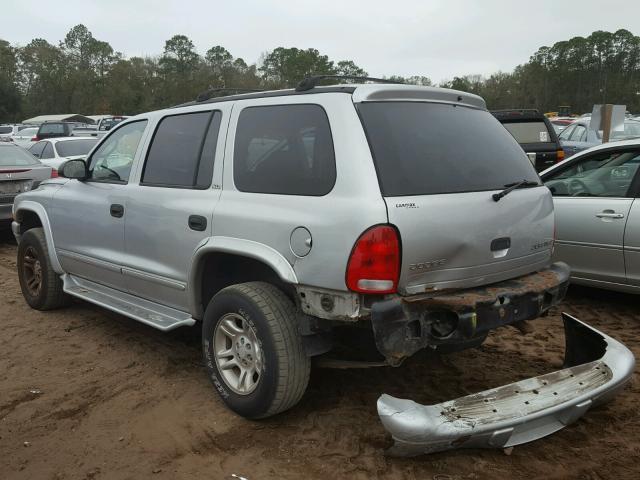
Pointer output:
x,y
26,137
55,151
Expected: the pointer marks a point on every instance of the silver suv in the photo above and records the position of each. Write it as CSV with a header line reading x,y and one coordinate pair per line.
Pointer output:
x,y
290,222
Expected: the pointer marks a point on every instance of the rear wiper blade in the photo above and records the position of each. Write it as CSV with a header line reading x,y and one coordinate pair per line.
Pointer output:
x,y
511,187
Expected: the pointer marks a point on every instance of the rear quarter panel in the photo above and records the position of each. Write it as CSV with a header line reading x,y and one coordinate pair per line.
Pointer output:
x,y
335,220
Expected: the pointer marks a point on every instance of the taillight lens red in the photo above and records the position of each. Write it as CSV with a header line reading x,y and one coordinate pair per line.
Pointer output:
x,y
54,173
35,139
374,264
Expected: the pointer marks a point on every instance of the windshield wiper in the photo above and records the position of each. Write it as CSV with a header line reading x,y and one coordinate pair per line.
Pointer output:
x,y
511,187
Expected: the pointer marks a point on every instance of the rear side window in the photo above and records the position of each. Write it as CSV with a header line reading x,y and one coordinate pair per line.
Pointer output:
x,y
422,148
284,149
528,132
182,151
72,148
4,130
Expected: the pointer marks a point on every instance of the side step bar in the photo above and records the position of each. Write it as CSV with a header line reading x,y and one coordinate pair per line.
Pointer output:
x,y
150,313
596,367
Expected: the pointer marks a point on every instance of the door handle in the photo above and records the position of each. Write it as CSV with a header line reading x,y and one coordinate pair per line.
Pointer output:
x,y
116,210
609,214
197,223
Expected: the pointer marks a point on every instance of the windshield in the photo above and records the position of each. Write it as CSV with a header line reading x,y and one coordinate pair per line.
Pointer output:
x,y
528,132
430,148
72,148
13,156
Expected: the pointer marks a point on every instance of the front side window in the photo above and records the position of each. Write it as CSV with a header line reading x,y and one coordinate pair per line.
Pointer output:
x,y
566,133
284,149
579,134
36,149
47,152
112,160
604,174
182,151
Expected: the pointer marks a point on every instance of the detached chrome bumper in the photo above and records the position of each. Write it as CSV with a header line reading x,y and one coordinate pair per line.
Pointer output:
x,y
596,367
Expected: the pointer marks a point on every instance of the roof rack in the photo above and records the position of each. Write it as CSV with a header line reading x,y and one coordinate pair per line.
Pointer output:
x,y
310,82
211,92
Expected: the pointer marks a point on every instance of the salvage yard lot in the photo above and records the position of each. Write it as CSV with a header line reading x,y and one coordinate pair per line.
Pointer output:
x,y
85,393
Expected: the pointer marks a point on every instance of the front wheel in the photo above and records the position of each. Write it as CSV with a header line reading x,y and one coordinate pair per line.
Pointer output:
x,y
41,286
253,351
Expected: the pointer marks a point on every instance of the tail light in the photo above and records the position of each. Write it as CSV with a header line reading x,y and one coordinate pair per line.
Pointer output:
x,y
35,139
54,173
559,156
374,264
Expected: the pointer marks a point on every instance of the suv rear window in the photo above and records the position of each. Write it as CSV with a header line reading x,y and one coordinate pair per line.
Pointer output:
x,y
424,148
52,128
284,149
528,132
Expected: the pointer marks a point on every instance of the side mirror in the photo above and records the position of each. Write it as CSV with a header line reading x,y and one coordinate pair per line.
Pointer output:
x,y
74,169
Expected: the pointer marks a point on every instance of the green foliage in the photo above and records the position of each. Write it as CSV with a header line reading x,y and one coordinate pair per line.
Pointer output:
x,y
84,75
601,68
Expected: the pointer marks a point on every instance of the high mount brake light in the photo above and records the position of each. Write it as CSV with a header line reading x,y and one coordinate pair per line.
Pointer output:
x,y
374,264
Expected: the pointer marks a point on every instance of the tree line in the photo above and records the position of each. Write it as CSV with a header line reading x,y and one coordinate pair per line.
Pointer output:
x,y
85,75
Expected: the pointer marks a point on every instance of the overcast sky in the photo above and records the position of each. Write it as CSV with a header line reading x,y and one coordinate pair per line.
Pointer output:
x,y
436,38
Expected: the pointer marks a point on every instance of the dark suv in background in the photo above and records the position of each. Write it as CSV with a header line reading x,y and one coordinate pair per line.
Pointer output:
x,y
55,129
535,134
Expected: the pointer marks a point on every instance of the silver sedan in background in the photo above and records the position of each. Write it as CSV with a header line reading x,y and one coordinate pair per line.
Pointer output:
x,y
597,210
19,172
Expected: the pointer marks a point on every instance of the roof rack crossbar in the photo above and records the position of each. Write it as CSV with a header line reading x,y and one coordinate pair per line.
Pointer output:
x,y
211,92
310,82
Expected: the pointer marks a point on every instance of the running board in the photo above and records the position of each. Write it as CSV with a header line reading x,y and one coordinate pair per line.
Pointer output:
x,y
150,313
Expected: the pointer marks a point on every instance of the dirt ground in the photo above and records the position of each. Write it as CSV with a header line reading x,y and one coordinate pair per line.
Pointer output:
x,y
88,394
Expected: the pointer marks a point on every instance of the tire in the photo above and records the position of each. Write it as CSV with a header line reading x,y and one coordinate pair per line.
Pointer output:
x,y
34,263
268,318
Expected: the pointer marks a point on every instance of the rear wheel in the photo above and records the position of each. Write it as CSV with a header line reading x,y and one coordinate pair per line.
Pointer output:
x,y
253,351
41,286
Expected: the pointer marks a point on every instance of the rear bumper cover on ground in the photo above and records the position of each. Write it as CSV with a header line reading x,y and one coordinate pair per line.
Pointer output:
x,y
404,325
596,367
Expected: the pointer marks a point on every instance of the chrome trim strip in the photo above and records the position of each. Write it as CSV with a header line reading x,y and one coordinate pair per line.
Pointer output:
x,y
89,260
150,277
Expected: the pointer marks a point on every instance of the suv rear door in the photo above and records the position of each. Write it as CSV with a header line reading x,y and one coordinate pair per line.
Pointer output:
x,y
438,165
170,209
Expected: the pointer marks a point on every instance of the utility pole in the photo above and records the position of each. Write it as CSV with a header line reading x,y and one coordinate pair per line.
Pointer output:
x,y
607,112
